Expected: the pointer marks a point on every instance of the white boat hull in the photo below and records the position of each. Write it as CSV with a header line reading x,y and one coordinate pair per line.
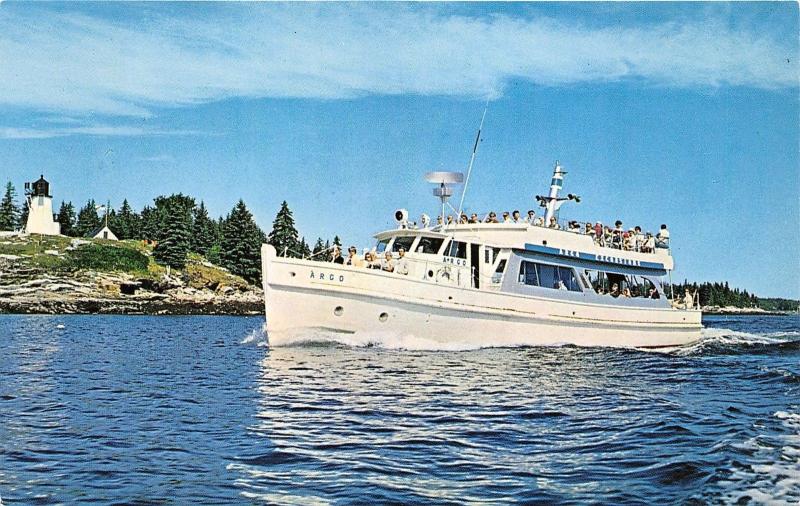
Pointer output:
x,y
304,297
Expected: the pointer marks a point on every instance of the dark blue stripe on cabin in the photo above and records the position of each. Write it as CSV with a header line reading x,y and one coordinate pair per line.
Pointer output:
x,y
591,257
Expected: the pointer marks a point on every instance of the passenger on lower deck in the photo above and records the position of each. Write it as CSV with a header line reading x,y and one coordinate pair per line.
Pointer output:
x,y
401,267
387,264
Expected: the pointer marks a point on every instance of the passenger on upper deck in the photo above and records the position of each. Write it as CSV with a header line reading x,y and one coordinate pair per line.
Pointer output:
x,y
491,218
474,218
638,239
649,244
515,217
589,230
352,257
616,237
439,220
402,262
387,264
464,220
554,224
371,261
688,299
531,216
336,257
662,238
506,218
449,219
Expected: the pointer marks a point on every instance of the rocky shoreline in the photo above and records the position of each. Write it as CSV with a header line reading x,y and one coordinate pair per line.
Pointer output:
x,y
202,289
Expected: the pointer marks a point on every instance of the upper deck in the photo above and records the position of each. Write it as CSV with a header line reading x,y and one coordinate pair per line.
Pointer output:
x,y
550,241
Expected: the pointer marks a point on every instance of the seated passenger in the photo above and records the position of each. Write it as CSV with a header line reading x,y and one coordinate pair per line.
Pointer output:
x,y
626,293
352,257
531,216
554,224
589,230
688,299
654,294
371,261
491,217
464,220
627,240
515,217
402,262
387,264
662,237
614,290
649,244
474,218
638,238
560,285
439,220
336,256
506,218
449,219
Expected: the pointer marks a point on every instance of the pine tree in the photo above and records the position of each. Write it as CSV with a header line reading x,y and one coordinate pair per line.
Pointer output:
x,y
284,236
9,212
328,255
240,250
88,220
66,218
203,231
126,223
148,224
22,222
174,217
305,251
319,247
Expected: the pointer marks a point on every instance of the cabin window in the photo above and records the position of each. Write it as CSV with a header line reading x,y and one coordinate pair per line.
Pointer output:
x,y
490,254
430,245
457,249
381,246
404,242
548,276
498,273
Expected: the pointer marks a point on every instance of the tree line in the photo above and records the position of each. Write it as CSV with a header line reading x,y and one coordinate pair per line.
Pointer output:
x,y
721,295
178,225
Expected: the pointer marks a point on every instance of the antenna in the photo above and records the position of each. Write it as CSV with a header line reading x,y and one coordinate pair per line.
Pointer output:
x,y
472,158
444,192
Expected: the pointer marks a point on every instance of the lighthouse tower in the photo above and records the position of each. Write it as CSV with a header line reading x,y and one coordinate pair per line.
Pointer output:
x,y
40,209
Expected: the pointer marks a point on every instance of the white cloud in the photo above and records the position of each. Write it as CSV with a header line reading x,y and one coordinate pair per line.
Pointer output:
x,y
96,130
79,64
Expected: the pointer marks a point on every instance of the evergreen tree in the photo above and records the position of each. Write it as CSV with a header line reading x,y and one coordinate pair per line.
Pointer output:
x,y
23,216
66,218
204,234
284,236
319,247
305,251
174,234
148,224
240,250
328,255
9,212
126,223
88,220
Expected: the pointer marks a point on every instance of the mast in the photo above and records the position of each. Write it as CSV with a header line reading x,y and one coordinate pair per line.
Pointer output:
x,y
555,186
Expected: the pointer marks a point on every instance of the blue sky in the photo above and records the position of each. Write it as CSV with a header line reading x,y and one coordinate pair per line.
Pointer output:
x,y
685,114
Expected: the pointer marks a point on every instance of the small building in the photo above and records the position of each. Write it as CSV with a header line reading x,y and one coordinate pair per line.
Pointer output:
x,y
103,232
41,219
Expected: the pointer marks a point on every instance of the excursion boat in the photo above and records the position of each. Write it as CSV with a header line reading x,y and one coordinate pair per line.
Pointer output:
x,y
484,284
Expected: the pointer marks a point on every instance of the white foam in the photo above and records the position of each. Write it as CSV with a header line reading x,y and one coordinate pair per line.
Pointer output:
x,y
393,341
776,480
256,336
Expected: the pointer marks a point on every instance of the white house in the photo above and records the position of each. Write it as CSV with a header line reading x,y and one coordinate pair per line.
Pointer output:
x,y
103,232
41,219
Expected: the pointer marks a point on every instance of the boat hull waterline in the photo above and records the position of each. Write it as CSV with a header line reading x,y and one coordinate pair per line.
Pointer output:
x,y
305,299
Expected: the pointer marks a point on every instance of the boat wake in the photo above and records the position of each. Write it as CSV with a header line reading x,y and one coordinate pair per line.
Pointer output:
x,y
719,341
256,337
713,341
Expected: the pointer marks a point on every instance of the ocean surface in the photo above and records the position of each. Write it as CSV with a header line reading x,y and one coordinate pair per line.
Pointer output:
x,y
199,410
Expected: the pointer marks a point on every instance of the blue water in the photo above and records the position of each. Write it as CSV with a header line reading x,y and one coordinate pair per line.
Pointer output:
x,y
197,410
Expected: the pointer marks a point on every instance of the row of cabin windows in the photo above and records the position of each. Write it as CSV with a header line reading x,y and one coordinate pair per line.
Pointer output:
x,y
548,276
426,244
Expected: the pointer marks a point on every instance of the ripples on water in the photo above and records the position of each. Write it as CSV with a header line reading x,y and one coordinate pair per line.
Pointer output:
x,y
163,410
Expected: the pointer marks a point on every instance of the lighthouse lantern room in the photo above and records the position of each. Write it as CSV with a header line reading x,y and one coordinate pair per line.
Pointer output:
x,y
41,219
